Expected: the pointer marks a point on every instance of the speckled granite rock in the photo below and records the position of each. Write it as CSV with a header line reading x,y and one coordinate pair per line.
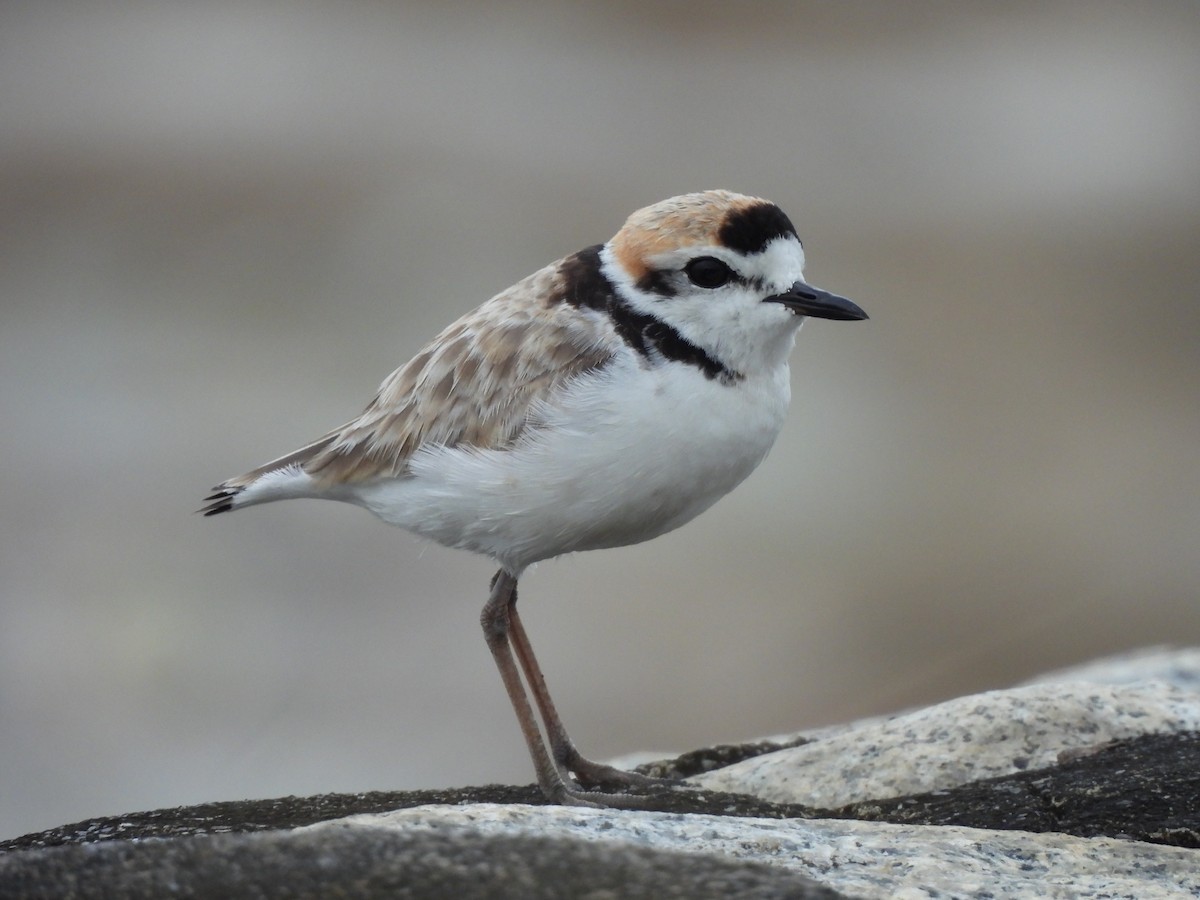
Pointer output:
x,y
1084,789
1144,789
862,859
960,741
388,863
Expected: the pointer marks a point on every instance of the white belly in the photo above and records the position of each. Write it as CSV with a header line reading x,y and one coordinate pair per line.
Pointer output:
x,y
623,456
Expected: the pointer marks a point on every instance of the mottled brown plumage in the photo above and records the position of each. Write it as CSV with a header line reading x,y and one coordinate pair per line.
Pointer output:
x,y
476,384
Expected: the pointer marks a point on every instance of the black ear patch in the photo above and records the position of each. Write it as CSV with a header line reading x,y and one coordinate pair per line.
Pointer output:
x,y
749,230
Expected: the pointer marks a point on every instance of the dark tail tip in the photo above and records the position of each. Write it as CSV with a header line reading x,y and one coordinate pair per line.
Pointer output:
x,y
220,501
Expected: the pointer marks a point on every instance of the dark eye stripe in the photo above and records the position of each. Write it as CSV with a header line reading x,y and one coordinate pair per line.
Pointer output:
x,y
658,282
662,283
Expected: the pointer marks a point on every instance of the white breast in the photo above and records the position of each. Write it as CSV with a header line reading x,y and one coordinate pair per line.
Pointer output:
x,y
621,456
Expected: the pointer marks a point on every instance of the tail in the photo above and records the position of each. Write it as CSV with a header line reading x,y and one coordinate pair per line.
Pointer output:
x,y
279,479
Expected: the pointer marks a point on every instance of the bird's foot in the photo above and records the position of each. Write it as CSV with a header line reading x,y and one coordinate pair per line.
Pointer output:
x,y
594,775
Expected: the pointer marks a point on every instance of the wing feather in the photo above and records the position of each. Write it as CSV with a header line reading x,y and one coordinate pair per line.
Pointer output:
x,y
474,385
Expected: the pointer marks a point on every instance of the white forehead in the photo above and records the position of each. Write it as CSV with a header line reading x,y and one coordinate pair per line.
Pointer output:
x,y
782,261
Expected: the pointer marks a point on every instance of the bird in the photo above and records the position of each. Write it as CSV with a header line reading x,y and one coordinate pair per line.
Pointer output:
x,y
606,399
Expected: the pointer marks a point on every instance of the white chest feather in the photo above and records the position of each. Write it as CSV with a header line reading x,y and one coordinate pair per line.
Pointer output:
x,y
621,456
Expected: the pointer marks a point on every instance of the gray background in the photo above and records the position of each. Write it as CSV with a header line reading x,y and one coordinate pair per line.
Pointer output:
x,y
224,223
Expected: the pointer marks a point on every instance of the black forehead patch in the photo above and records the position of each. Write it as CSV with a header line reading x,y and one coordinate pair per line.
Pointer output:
x,y
750,229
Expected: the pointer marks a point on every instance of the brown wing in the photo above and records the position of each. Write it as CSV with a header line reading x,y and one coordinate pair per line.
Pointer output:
x,y
474,385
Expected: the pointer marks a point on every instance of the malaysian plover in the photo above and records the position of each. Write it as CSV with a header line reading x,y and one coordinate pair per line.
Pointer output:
x,y
604,400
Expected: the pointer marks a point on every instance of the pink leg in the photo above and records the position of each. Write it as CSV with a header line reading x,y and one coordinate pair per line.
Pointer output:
x,y
504,633
562,748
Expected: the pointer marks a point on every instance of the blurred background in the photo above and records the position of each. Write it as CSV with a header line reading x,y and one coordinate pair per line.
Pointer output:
x,y
222,224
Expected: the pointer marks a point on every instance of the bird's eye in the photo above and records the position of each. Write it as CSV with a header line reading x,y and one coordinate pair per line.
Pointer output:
x,y
707,272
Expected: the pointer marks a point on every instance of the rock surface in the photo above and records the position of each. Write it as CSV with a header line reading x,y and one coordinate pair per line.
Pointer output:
x,y
380,862
960,741
1071,787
